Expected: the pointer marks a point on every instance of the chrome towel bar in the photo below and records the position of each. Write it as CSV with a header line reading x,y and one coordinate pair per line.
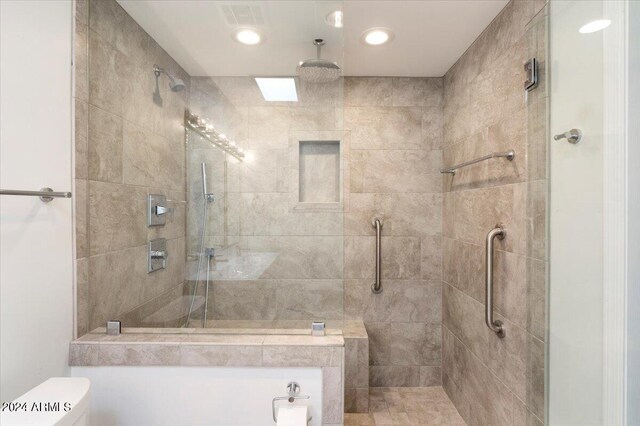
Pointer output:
x,y
494,325
45,194
377,285
509,155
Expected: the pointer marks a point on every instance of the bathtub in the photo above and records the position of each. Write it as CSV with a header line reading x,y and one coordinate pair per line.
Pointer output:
x,y
226,373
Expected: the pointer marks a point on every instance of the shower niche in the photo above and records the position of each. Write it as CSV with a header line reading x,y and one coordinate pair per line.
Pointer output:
x,y
319,172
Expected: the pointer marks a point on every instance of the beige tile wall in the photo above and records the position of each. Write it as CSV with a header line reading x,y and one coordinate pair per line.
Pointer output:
x,y
129,143
396,133
491,380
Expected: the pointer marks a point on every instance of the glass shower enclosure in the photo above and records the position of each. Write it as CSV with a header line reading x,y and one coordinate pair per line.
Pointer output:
x,y
265,157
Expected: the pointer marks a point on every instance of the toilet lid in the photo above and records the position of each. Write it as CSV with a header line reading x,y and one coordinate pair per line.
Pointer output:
x,y
57,401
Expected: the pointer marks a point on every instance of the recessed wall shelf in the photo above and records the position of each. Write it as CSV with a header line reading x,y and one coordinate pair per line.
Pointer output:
x,y
319,172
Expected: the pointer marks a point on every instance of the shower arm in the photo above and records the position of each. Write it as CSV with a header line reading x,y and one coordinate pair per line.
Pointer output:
x,y
159,70
319,43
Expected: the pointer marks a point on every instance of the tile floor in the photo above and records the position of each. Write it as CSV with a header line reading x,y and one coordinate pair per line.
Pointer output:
x,y
428,406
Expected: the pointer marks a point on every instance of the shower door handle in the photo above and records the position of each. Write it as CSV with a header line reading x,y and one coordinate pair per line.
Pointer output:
x,y
572,136
377,285
494,325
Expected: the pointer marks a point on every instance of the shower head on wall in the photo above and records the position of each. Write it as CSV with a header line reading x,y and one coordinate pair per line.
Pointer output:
x,y
175,84
318,70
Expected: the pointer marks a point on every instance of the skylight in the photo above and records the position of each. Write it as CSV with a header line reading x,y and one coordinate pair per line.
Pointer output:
x,y
278,89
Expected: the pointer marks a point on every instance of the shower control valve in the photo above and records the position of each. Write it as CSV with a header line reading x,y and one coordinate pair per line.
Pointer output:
x,y
158,254
157,210
160,210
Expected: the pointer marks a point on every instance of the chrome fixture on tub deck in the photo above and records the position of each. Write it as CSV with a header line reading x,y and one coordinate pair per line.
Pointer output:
x,y
318,329
114,327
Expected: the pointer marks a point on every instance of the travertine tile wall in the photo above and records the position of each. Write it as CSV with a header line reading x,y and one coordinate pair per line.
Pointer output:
x,y
129,143
490,380
395,126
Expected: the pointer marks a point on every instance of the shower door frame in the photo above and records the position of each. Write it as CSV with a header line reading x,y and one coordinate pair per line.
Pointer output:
x,y
615,148
621,239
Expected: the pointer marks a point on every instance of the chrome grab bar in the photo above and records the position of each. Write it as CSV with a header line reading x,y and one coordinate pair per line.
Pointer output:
x,y
377,285
509,155
45,194
494,325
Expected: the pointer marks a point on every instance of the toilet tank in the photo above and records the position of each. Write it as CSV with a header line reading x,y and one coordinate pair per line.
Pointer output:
x,y
60,401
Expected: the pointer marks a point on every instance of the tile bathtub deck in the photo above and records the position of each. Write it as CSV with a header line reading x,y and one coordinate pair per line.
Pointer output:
x,y
426,406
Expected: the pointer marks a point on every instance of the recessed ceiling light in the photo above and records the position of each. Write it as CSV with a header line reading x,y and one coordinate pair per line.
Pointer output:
x,y
377,36
594,26
334,19
278,89
247,36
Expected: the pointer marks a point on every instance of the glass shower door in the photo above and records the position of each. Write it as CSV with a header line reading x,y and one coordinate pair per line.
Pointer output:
x,y
581,72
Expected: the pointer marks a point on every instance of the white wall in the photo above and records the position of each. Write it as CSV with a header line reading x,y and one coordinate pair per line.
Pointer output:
x,y
170,396
36,296
633,214
575,217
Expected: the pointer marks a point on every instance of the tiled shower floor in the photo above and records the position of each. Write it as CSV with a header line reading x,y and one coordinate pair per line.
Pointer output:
x,y
407,406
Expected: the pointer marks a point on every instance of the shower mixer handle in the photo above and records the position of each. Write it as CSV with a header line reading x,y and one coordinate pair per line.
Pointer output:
x,y
160,210
158,254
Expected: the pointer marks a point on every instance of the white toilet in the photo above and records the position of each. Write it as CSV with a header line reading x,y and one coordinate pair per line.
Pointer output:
x,y
61,401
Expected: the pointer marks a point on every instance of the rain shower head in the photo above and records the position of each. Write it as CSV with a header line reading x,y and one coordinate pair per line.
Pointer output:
x,y
175,84
318,70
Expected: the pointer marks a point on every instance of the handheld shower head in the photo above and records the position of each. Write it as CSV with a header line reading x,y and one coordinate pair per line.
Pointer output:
x,y
175,84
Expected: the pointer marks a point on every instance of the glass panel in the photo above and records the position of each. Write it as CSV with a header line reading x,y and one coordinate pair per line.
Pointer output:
x,y
244,250
272,237
576,203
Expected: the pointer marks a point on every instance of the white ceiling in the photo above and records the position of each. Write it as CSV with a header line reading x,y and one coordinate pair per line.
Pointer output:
x,y
430,35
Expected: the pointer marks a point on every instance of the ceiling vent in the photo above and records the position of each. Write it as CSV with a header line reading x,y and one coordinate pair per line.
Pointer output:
x,y
242,15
